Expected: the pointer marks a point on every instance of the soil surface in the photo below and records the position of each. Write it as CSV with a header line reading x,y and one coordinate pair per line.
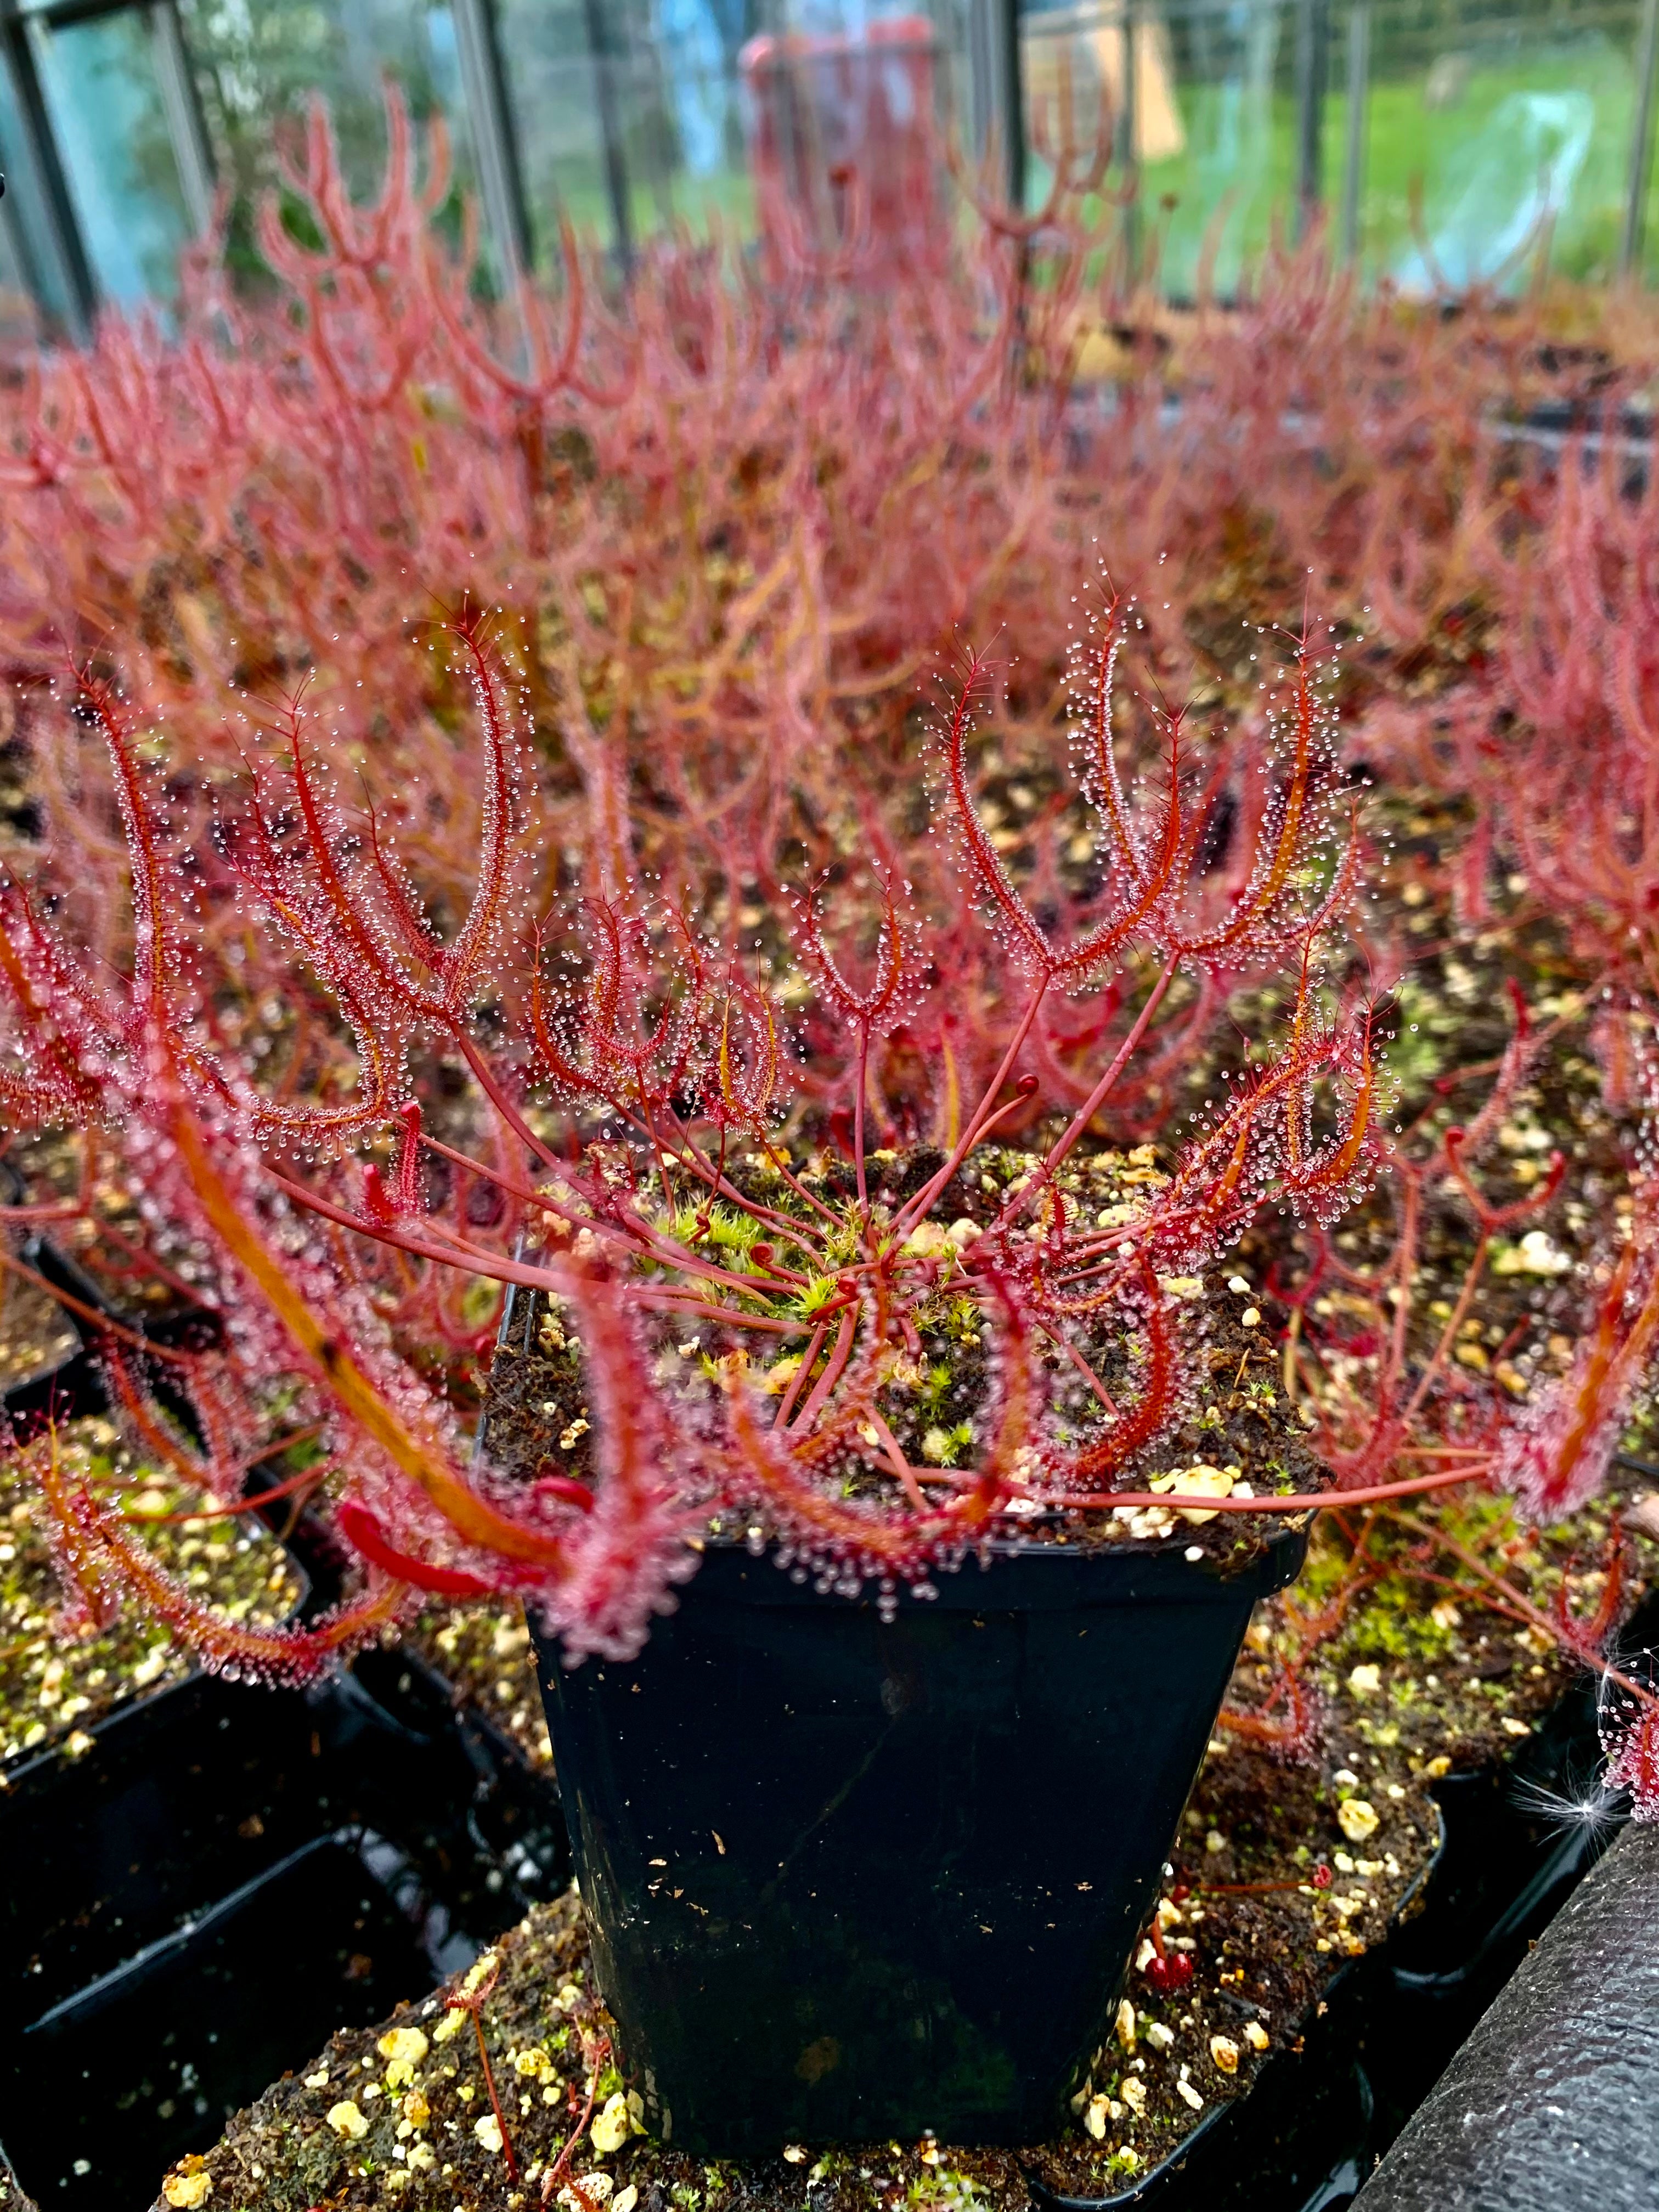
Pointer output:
x,y
1236,1416
484,1652
59,1674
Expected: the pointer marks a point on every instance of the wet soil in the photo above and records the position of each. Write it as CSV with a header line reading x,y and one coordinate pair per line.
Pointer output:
x,y
1235,1414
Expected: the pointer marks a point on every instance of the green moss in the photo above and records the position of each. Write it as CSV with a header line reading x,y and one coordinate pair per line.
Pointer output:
x,y
1393,1624
935,1386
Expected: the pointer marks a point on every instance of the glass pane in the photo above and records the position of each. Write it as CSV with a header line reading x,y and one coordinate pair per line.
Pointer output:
x,y
1214,122
1495,137
561,116
1224,172
843,129
953,86
102,93
29,226
854,22
669,120
589,101
258,63
683,125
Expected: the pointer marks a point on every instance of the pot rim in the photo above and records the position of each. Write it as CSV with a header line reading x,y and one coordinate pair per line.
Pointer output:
x,y
1030,1575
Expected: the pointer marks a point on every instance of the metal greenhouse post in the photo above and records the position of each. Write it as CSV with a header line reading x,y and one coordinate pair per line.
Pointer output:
x,y
1641,149
1312,69
1129,141
1353,160
55,257
192,152
998,89
602,50
499,180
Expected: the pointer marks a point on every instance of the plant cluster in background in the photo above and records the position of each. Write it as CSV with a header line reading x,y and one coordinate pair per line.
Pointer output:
x,y
367,967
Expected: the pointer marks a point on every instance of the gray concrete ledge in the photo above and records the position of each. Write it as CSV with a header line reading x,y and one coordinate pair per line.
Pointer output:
x,y
1553,2104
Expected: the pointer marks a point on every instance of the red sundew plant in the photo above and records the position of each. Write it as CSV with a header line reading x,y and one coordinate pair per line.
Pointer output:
x,y
617,1135
694,499
1379,1400
1630,1737
1550,731
626,1202
1381,1403
363,1017
1555,732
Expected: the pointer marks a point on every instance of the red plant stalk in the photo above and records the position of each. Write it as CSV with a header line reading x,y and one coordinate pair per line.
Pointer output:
x,y
732,516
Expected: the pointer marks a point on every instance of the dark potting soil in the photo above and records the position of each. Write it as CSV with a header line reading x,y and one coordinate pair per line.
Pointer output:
x,y
358,2129
484,1652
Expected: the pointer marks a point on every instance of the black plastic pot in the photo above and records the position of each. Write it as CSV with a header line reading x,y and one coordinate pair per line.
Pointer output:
x,y
77,1385
849,1878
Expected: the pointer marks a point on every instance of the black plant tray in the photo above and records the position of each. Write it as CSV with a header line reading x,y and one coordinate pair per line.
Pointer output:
x,y
192,1907
228,1876
1309,2133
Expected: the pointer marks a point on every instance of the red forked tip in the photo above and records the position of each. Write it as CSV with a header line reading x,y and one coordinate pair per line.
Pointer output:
x,y
376,1203
1168,1971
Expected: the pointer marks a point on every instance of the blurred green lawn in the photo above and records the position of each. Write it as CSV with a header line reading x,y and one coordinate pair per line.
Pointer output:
x,y
1523,134
1520,131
